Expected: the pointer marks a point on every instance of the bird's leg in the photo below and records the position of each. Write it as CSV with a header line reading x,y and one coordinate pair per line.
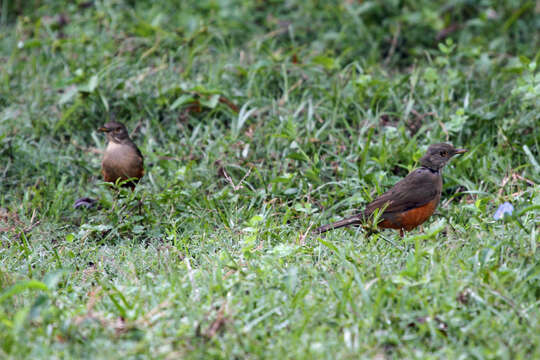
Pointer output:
x,y
131,186
370,230
401,233
392,243
139,206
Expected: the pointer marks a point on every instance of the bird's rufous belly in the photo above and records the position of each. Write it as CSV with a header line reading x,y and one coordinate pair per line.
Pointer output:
x,y
410,219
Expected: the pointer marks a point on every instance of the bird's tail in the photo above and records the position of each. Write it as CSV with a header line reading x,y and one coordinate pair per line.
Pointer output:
x,y
353,220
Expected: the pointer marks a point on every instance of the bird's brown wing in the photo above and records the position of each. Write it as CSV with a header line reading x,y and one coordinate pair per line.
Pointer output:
x,y
416,189
132,145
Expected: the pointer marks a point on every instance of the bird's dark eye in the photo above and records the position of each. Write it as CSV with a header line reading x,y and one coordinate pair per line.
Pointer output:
x,y
444,153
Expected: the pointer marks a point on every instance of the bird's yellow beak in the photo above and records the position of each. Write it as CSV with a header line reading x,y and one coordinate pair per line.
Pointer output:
x,y
461,151
103,129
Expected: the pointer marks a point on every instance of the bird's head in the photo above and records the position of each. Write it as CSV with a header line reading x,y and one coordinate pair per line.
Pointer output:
x,y
115,132
437,155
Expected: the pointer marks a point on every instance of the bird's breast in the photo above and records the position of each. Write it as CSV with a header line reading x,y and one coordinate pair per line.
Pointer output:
x,y
121,161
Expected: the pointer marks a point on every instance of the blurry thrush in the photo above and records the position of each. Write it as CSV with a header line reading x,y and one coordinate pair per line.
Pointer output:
x,y
412,200
122,160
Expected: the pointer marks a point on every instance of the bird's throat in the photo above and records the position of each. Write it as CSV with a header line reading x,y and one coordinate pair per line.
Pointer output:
x,y
433,171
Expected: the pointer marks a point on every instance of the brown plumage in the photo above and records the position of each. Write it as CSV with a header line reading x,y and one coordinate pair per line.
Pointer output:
x,y
412,200
122,159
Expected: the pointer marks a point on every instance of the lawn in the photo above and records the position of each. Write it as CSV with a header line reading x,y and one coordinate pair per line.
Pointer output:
x,y
259,121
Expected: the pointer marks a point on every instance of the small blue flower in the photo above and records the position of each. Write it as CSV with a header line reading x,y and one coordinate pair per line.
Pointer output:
x,y
505,208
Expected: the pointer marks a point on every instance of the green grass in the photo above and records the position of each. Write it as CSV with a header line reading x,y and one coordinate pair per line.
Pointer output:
x,y
311,108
